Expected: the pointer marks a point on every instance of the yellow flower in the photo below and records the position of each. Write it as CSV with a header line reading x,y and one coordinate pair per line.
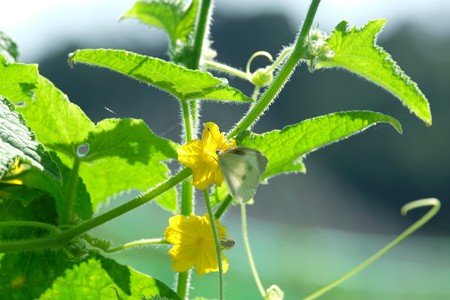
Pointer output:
x,y
193,244
201,156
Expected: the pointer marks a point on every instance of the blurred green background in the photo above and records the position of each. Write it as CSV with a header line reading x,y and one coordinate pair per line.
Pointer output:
x,y
305,230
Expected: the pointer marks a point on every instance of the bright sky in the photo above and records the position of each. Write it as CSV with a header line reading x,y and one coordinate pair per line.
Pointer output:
x,y
41,25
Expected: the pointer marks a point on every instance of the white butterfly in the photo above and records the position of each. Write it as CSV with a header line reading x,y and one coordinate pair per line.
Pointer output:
x,y
242,169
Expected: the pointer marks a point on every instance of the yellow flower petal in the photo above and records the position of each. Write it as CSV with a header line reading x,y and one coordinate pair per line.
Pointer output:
x,y
205,176
190,154
193,244
202,158
214,140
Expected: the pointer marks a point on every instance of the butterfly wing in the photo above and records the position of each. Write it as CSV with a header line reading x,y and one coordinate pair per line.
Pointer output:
x,y
242,169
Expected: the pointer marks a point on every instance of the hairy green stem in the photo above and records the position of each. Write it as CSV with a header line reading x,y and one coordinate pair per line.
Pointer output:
x,y
227,69
183,284
70,198
59,240
436,205
255,94
281,78
200,31
46,226
280,58
247,75
188,128
187,198
223,206
249,251
216,241
187,205
139,243
194,107
190,114
195,59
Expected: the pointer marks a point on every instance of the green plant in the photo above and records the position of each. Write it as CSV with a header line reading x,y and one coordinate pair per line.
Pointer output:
x,y
57,166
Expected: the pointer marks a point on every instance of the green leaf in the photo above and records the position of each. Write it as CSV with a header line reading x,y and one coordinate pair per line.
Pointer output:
x,y
20,82
92,280
171,16
21,193
120,156
126,154
19,202
356,50
97,242
17,81
181,82
83,205
120,274
285,149
35,182
17,141
8,48
47,110
19,148
27,275
59,125
187,23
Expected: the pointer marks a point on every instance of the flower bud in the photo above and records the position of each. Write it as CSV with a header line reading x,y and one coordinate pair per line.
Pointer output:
x,y
262,77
